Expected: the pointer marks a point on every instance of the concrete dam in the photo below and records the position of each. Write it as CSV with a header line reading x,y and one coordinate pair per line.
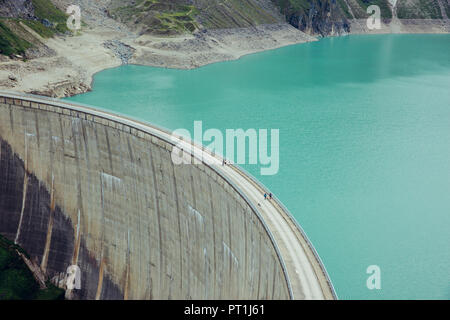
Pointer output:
x,y
84,187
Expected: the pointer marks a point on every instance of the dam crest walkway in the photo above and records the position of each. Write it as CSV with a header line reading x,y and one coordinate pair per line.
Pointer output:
x,y
306,275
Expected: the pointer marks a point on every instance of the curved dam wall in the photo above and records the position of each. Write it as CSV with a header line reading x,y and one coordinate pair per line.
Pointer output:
x,y
77,188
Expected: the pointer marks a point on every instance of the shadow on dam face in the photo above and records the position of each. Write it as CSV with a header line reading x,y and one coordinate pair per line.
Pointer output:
x,y
80,189
45,232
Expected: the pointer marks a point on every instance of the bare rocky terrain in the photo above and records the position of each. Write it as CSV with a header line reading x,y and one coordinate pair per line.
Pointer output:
x,y
17,8
158,33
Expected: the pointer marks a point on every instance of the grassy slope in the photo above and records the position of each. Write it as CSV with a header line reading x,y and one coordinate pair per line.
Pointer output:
x,y
288,7
236,13
45,9
168,17
160,17
10,43
17,281
39,28
297,5
179,16
10,40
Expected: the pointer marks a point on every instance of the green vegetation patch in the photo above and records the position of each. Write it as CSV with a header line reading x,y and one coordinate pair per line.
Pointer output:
x,y
181,21
302,7
159,17
45,9
235,14
39,28
17,281
13,37
168,17
290,7
10,43
293,5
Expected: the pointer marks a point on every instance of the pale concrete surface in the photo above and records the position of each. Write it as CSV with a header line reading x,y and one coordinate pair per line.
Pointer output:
x,y
308,277
110,200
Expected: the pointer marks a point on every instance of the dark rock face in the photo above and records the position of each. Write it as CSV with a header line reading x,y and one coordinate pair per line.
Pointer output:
x,y
11,185
17,188
16,8
21,187
323,17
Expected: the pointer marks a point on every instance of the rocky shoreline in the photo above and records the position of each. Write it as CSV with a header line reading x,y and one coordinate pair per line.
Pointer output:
x,y
70,68
72,61
121,50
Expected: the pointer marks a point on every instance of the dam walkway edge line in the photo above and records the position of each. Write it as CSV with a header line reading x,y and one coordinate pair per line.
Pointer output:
x,y
304,271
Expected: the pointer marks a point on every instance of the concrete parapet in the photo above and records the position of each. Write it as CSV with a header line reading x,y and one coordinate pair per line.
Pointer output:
x,y
80,186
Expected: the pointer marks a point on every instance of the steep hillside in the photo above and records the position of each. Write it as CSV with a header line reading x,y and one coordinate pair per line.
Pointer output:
x,y
178,16
419,9
155,17
317,17
39,55
16,16
236,13
50,16
360,7
323,17
16,280
16,8
10,42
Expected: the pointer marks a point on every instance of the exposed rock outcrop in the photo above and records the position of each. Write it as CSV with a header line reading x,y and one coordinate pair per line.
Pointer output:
x,y
121,50
16,8
321,17
118,32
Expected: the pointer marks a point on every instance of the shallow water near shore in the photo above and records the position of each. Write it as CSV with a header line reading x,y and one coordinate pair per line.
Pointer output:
x,y
364,145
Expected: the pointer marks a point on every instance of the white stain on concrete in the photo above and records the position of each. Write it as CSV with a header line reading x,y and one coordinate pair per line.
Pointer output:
x,y
197,215
229,254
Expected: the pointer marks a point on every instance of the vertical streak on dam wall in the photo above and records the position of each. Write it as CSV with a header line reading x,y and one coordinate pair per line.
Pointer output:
x,y
76,188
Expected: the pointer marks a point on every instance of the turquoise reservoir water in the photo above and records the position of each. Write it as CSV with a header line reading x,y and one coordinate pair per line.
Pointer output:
x,y
364,145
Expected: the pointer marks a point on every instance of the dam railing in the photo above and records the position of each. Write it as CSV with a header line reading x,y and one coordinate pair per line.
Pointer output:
x,y
263,189
151,130
289,215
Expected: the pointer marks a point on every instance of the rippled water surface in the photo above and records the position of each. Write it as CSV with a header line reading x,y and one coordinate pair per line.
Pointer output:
x,y
364,145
